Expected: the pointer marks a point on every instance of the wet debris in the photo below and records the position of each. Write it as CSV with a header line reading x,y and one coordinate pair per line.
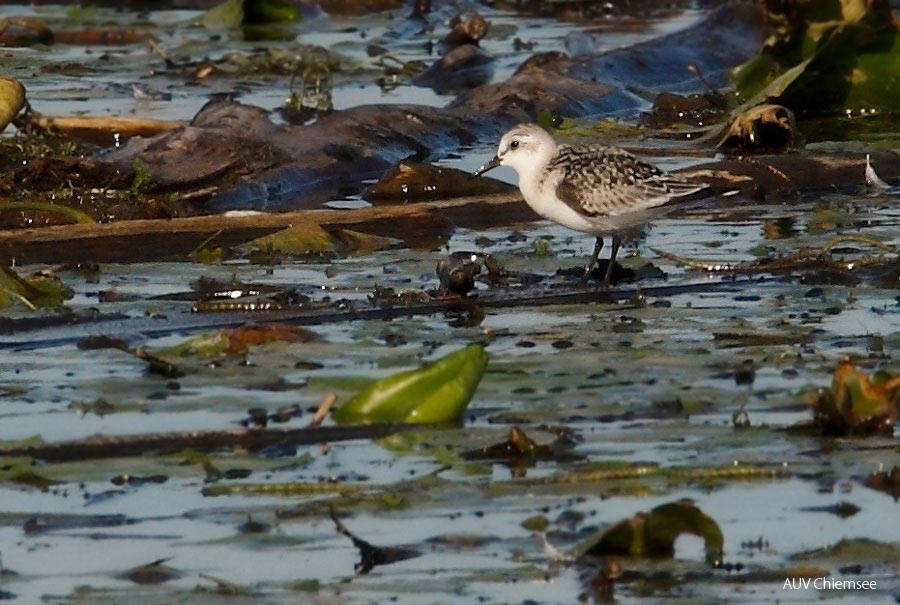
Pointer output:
x,y
21,471
226,588
857,404
519,448
156,572
760,338
463,68
885,481
760,129
155,364
599,583
818,265
252,526
12,100
19,31
842,509
237,341
697,110
372,556
115,446
260,417
456,272
467,29
138,480
412,181
824,63
38,289
654,534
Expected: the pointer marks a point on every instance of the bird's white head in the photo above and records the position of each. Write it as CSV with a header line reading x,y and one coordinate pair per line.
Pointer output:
x,y
525,148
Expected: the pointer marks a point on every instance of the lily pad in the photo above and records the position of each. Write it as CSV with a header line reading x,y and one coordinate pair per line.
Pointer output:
x,y
439,392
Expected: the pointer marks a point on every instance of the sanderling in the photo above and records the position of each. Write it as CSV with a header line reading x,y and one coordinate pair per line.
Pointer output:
x,y
589,188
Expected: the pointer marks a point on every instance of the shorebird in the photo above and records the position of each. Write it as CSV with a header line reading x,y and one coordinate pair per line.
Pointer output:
x,y
589,188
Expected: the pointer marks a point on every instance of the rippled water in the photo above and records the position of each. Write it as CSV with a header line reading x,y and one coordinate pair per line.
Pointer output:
x,y
613,374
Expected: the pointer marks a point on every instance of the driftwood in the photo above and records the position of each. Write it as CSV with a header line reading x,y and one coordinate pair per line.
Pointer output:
x,y
160,443
768,177
102,130
27,335
154,239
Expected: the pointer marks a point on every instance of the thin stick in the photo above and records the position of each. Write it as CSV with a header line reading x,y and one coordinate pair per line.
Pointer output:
x,y
324,407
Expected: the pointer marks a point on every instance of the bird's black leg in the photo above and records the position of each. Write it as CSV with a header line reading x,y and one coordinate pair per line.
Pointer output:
x,y
598,246
616,242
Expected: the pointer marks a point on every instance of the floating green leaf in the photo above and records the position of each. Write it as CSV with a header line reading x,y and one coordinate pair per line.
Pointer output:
x,y
439,392
309,238
21,471
228,15
37,290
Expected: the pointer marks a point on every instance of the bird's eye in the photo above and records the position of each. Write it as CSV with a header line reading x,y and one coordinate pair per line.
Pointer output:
x,y
514,145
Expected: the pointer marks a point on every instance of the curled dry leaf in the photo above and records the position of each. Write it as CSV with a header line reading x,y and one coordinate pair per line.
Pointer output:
x,y
857,404
12,100
654,534
762,128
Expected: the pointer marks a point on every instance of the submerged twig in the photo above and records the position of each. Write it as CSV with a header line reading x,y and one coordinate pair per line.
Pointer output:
x,y
324,407
248,439
26,337
718,473
371,555
794,261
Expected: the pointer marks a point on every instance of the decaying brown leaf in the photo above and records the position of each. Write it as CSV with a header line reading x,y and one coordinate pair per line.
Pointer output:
x,y
765,127
888,482
241,338
856,404
653,534
12,100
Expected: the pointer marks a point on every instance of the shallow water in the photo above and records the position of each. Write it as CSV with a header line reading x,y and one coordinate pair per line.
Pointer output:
x,y
645,384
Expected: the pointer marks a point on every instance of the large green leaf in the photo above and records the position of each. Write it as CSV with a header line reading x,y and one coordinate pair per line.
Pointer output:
x,y
439,392
828,62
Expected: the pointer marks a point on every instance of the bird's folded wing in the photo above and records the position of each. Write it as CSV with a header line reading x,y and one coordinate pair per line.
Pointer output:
x,y
611,182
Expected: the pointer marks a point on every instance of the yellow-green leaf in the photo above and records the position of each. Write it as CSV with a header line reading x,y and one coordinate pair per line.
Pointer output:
x,y
300,239
439,392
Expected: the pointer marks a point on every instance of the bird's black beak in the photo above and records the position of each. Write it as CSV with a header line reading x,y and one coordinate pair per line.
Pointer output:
x,y
489,166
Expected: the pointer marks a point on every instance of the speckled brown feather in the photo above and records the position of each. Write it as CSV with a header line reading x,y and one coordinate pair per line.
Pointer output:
x,y
606,181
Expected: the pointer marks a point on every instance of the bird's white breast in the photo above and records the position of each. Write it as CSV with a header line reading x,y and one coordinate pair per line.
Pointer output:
x,y
540,194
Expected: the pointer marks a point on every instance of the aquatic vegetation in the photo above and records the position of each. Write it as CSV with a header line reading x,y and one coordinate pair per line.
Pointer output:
x,y
439,392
